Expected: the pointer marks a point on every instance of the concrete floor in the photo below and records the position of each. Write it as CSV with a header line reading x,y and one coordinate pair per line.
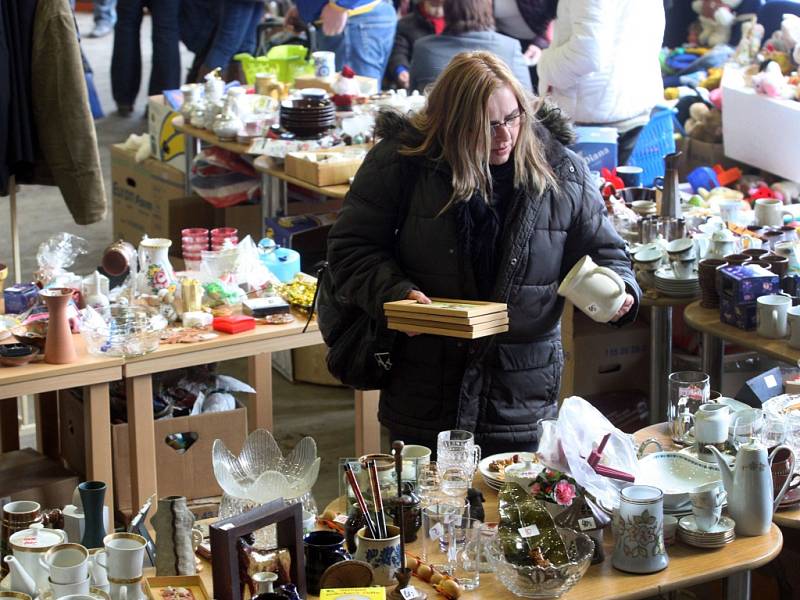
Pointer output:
x,y
324,413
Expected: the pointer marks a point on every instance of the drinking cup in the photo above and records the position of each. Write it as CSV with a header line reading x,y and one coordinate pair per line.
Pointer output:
x,y
61,590
687,391
681,249
434,520
670,529
744,425
124,556
783,469
684,268
324,63
738,259
772,237
772,315
414,456
597,291
126,591
322,549
707,501
638,526
789,233
769,212
17,515
780,264
457,448
66,563
730,210
631,175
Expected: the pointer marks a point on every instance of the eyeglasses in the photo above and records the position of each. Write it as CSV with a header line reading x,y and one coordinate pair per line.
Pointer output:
x,y
510,122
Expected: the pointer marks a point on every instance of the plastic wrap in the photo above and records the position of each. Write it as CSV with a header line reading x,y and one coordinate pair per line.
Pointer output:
x,y
57,254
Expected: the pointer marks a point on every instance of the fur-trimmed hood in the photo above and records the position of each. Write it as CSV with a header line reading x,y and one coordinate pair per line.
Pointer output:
x,y
550,124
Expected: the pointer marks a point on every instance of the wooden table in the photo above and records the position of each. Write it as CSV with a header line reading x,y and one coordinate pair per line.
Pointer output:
x,y
255,345
715,334
687,566
90,372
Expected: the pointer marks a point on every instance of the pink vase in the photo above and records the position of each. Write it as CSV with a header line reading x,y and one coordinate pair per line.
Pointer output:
x,y
59,348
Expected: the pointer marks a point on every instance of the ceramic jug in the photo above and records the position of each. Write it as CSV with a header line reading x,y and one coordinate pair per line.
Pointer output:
x,y
722,244
383,555
749,486
711,423
597,291
154,264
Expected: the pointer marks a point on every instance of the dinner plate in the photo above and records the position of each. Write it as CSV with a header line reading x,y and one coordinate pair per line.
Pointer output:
x,y
494,476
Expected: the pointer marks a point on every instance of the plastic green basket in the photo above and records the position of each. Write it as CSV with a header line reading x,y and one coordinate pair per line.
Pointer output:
x,y
285,62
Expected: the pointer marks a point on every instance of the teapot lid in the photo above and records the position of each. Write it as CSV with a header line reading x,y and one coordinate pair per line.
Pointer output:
x,y
36,539
723,235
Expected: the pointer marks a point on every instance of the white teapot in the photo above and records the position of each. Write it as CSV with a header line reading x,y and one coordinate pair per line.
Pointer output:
x,y
723,243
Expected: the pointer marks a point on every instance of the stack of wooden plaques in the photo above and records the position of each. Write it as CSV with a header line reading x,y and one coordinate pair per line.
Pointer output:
x,y
467,319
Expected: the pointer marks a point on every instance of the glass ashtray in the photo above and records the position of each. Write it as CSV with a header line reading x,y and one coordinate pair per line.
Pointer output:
x,y
125,331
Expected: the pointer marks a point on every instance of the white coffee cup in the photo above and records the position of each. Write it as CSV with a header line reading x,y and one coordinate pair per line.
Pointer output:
x,y
769,212
711,423
324,63
126,591
66,563
98,568
124,556
772,315
61,590
597,291
685,268
707,501
670,529
730,210
793,315
414,456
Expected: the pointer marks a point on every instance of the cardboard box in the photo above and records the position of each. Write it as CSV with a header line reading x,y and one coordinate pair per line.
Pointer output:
x,y
600,358
72,432
758,130
149,199
761,388
598,145
166,143
308,234
187,473
27,475
244,217
306,167
309,365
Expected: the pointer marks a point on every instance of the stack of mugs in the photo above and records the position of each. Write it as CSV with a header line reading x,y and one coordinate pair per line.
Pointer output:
x,y
706,527
68,568
707,272
193,241
221,235
123,561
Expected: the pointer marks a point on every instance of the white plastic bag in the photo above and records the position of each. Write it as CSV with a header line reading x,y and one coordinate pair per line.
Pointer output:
x,y
566,443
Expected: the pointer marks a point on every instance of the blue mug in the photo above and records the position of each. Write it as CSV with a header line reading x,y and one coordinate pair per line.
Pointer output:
x,y
631,176
322,549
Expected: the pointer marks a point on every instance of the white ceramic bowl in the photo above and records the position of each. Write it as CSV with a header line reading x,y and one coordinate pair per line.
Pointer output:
x,y
676,475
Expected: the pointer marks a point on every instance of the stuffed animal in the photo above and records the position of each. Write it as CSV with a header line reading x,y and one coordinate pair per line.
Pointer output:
x,y
771,82
704,123
786,40
716,18
747,50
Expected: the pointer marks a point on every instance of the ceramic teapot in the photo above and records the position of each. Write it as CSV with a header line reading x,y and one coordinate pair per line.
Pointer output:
x,y
28,544
749,486
723,243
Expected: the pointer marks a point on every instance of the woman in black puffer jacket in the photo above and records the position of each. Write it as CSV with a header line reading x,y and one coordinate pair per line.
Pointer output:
x,y
496,208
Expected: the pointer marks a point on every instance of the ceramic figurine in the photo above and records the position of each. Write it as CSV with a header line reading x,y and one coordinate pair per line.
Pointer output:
x,y
173,524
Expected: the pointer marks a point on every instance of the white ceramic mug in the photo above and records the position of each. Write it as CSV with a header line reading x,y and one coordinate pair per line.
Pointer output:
x,y
772,314
98,567
711,423
126,591
684,268
730,210
597,291
66,563
61,590
414,456
793,315
324,63
769,212
124,556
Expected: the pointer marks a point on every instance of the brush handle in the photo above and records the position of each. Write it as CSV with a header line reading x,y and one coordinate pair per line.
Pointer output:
x,y
362,504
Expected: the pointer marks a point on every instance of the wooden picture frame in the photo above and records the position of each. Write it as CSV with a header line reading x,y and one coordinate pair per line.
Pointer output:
x,y
225,535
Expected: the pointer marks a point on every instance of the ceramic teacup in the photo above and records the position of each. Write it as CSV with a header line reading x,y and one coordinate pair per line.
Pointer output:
x,y
772,312
66,563
126,591
670,529
597,291
707,501
681,248
69,589
793,316
782,469
124,556
684,268
648,259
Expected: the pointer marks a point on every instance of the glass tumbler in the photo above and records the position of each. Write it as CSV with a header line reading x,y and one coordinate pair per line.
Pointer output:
x,y
435,519
687,391
464,551
429,484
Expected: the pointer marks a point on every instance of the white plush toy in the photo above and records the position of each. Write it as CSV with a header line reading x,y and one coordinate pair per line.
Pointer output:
x,y
771,82
716,19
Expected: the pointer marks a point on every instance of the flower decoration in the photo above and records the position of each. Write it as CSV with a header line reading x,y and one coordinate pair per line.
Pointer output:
x,y
555,487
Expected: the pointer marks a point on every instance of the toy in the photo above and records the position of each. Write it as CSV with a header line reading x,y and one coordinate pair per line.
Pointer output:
x,y
716,18
770,82
704,123
786,40
788,191
747,50
346,89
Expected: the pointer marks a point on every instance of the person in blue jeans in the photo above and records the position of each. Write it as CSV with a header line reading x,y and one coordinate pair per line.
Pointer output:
x,y
126,60
360,32
105,17
235,33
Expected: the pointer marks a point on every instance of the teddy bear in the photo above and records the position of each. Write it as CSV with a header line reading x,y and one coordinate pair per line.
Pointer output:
x,y
748,47
771,82
785,41
704,123
716,19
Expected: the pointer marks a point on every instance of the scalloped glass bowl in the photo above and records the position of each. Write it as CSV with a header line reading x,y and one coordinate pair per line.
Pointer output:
x,y
544,582
261,473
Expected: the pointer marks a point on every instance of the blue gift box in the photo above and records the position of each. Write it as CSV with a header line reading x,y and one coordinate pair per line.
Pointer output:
x,y
20,297
742,316
598,145
744,283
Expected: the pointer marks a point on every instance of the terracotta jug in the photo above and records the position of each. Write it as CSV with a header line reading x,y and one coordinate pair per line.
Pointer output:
x,y
59,347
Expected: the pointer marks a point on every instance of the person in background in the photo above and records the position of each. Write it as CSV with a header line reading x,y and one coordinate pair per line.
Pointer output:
x,y
494,207
235,33
426,19
602,67
105,17
126,59
469,26
360,32
526,21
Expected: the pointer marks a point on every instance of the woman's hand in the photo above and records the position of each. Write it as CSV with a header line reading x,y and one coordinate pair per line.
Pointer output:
x,y
423,299
623,310
532,55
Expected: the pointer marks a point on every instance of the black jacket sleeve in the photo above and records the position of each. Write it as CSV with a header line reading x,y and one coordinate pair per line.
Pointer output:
x,y
592,233
362,241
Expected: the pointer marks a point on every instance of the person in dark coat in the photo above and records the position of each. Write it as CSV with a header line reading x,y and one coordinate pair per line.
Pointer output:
x,y
426,19
492,206
526,21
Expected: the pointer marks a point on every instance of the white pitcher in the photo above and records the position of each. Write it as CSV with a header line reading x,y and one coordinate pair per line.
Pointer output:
x,y
154,266
597,291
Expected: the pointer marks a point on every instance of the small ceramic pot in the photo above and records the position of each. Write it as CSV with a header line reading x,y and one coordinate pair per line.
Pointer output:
x,y
738,259
780,264
383,555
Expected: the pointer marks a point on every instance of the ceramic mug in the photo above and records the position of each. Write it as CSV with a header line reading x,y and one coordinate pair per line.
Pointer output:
x,y
66,563
707,501
97,567
638,526
769,212
772,315
61,590
124,556
783,469
597,291
383,555
126,591
324,63
322,549
631,175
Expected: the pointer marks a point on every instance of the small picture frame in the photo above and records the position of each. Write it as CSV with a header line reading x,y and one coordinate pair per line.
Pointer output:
x,y
225,535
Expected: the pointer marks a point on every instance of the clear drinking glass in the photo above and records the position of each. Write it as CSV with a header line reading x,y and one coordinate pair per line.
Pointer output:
x,y
429,484
487,534
456,448
455,482
687,391
464,551
774,431
435,519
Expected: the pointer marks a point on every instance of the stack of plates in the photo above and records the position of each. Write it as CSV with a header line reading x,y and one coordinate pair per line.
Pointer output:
x,y
467,319
790,500
308,116
719,536
496,478
669,285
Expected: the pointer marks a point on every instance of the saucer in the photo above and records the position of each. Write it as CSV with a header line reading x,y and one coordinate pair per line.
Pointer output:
x,y
724,527
791,498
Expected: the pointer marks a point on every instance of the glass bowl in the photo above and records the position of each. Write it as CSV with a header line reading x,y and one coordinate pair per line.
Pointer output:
x,y
544,582
124,331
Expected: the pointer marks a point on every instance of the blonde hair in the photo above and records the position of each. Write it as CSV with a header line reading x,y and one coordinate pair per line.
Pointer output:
x,y
455,127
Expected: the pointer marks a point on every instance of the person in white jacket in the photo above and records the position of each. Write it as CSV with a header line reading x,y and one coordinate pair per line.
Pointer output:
x,y
602,67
